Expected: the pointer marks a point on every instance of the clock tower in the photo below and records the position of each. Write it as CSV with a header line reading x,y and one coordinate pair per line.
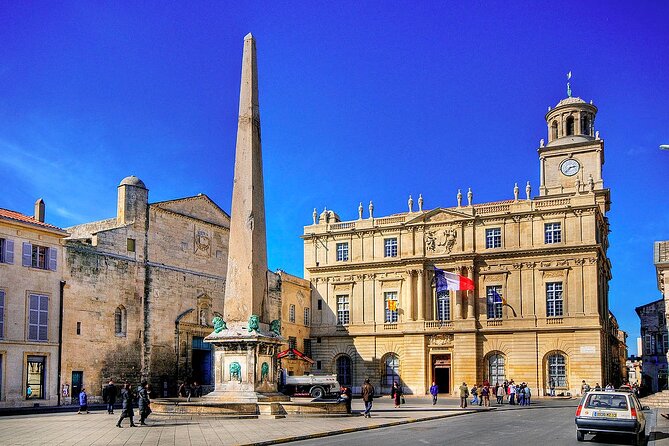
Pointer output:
x,y
571,161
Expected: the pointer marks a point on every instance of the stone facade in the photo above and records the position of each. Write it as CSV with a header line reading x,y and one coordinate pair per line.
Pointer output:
x,y
142,289
30,297
377,315
296,320
655,345
661,258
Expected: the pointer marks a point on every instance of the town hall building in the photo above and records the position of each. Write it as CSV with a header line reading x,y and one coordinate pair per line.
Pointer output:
x,y
376,314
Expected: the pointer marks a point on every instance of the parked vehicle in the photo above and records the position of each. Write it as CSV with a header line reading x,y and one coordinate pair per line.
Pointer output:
x,y
318,386
611,412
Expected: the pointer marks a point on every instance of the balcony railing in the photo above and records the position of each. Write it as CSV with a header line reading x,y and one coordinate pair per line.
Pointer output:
x,y
554,321
438,324
390,326
494,323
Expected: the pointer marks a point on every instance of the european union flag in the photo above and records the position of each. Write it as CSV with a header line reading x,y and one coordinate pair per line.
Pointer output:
x,y
496,298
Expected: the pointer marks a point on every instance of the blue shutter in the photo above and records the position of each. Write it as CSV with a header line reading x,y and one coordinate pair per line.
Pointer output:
x,y
9,252
53,259
27,254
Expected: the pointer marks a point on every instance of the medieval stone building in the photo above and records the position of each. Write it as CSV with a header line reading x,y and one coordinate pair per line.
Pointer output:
x,y
141,291
539,312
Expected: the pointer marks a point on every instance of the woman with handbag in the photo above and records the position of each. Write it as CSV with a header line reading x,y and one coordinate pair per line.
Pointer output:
x,y
396,394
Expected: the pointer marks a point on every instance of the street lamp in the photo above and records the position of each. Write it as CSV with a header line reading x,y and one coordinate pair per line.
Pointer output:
x,y
664,146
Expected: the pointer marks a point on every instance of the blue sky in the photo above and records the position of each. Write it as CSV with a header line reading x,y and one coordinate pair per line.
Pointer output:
x,y
359,101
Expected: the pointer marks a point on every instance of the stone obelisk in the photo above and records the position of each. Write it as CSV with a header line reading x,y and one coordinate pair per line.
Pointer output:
x,y
245,346
246,282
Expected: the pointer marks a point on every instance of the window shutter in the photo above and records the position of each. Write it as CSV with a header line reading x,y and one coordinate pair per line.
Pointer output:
x,y
27,254
9,251
53,259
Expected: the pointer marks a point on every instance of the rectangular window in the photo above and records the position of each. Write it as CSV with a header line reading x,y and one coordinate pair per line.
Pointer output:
x,y
6,251
553,233
307,347
653,345
40,257
2,317
291,313
35,377
494,303
342,252
131,245
443,306
38,317
307,317
665,343
342,310
318,365
292,344
390,247
78,328
319,304
554,299
390,299
646,344
493,238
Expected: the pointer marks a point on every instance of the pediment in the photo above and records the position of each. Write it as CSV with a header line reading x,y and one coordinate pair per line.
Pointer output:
x,y
200,207
440,215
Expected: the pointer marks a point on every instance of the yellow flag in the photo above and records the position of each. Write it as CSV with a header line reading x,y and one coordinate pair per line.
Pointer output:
x,y
392,305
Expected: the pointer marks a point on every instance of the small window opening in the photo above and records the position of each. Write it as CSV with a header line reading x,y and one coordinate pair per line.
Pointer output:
x,y
570,126
131,245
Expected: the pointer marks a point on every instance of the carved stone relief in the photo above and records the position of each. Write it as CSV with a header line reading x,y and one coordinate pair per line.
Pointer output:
x,y
441,240
202,242
441,339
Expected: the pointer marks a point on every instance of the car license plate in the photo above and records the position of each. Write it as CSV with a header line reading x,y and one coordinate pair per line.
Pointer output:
x,y
605,414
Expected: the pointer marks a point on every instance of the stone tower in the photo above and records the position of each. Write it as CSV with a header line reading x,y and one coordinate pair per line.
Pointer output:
x,y
133,201
572,159
246,286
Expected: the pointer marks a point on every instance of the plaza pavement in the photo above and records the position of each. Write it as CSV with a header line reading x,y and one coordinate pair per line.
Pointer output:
x,y
99,428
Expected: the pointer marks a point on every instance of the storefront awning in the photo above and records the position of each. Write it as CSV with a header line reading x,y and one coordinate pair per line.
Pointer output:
x,y
297,353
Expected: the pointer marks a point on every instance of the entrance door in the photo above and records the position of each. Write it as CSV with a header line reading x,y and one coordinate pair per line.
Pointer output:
x,y
77,380
442,376
201,360
441,372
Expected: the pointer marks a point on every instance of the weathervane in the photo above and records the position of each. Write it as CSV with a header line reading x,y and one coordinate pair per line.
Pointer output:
x,y
568,86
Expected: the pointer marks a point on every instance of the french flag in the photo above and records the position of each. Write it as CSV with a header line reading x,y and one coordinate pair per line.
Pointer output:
x,y
450,281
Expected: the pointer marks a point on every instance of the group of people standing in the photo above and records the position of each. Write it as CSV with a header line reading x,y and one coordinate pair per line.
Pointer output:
x,y
519,394
128,397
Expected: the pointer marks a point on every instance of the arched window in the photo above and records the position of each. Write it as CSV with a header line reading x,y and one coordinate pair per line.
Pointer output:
x,y
554,130
585,125
570,125
344,370
496,368
392,370
557,370
120,321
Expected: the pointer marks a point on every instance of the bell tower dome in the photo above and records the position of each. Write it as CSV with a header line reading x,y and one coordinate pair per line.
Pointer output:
x,y
571,162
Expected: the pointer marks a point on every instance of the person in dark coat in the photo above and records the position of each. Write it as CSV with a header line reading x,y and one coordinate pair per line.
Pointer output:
x,y
127,410
143,402
396,394
368,397
109,396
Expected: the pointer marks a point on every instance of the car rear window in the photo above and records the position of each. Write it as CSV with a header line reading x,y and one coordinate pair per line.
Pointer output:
x,y
612,402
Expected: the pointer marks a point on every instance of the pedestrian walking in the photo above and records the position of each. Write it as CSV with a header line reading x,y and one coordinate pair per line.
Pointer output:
x,y
396,394
512,393
520,392
144,402
552,387
464,394
528,395
500,395
109,396
348,394
485,393
434,391
475,399
367,397
126,406
197,390
479,394
83,401
585,387
29,392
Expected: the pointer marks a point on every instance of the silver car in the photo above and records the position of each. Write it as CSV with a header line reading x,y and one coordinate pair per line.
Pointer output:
x,y
611,412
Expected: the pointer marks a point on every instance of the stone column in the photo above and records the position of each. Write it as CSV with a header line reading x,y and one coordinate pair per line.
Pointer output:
x,y
471,296
410,296
457,305
421,295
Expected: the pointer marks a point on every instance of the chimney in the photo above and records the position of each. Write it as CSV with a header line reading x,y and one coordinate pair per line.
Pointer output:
x,y
39,210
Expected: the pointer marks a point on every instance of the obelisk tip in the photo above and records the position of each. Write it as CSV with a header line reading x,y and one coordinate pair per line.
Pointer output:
x,y
249,36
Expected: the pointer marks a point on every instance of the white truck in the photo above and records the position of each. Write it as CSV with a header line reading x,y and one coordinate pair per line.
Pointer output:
x,y
317,386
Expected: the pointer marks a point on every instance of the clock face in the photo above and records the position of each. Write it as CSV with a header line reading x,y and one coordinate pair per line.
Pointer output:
x,y
570,167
